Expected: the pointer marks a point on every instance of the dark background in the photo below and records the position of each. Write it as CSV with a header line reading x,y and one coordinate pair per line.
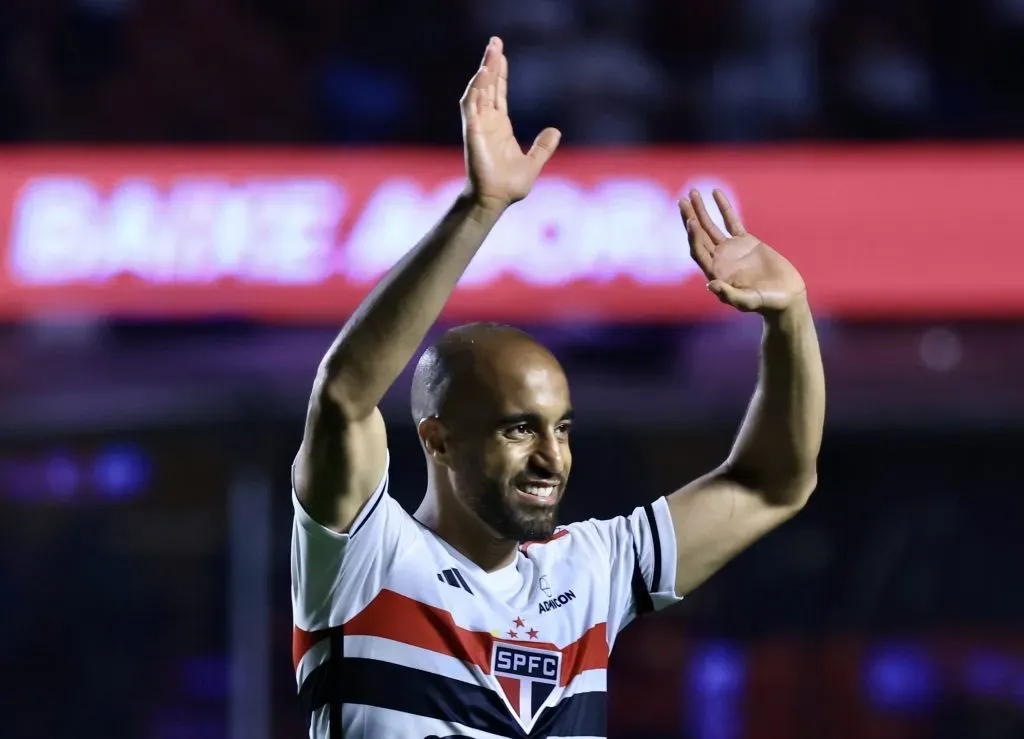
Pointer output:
x,y
144,509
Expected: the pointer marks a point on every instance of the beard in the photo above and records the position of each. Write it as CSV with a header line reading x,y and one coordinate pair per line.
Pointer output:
x,y
497,505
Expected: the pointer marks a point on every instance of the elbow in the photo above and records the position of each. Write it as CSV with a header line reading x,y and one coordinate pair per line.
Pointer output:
x,y
790,490
802,489
792,493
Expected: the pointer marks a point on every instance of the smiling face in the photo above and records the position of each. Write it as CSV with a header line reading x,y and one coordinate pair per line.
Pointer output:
x,y
504,431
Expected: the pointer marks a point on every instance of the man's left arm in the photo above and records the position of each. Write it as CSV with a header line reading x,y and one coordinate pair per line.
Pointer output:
x,y
772,469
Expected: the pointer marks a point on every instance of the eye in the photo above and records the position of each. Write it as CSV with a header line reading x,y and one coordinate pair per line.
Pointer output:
x,y
519,430
563,429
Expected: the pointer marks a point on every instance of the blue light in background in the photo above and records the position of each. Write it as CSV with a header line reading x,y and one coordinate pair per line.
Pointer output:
x,y
901,676
121,471
716,686
56,475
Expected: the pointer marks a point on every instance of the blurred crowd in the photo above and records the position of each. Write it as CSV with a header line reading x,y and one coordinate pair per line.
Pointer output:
x,y
605,71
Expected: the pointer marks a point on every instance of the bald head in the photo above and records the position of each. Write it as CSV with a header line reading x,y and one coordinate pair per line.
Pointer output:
x,y
474,363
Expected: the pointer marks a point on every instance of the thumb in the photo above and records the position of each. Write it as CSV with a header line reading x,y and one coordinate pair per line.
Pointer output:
x,y
544,146
745,300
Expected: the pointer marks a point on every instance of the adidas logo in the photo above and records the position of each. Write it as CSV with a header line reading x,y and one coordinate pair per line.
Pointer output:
x,y
454,578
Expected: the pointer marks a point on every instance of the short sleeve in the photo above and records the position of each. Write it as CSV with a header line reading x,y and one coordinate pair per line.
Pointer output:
x,y
641,556
335,575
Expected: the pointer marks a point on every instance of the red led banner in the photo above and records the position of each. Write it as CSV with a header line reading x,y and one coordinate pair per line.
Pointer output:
x,y
302,235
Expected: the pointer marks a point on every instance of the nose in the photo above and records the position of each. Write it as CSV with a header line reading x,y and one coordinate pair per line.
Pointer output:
x,y
549,456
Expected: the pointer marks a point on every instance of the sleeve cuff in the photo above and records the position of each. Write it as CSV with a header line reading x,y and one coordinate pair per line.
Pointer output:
x,y
663,544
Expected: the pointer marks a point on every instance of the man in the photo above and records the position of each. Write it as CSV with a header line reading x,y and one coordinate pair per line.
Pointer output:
x,y
446,623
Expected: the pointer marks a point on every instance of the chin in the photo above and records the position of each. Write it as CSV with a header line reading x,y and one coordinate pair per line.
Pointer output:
x,y
535,528
501,511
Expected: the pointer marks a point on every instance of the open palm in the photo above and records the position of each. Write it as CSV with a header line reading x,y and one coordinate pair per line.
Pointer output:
x,y
499,172
742,270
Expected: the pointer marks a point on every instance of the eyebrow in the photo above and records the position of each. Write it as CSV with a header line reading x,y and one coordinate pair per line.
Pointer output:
x,y
532,418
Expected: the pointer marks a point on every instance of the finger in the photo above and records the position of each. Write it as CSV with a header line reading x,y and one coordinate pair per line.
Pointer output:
x,y
502,102
705,218
484,79
491,99
477,85
729,215
470,108
544,146
745,300
491,51
687,211
700,243
492,61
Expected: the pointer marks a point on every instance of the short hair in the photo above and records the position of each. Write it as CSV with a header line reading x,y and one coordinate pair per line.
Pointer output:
x,y
448,359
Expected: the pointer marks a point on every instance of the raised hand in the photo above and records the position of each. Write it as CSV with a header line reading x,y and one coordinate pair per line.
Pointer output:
x,y
499,172
742,270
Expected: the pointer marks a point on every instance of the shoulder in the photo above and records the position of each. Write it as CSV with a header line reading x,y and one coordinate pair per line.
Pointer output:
x,y
572,540
618,536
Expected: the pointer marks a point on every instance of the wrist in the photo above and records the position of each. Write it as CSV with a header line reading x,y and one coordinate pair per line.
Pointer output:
x,y
798,310
482,207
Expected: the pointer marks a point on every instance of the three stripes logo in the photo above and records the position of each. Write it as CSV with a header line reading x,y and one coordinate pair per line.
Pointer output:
x,y
454,578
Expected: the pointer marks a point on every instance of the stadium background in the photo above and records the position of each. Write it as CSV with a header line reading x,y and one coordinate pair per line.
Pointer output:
x,y
164,305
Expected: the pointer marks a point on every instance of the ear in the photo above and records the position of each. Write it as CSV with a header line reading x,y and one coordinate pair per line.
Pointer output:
x,y
434,437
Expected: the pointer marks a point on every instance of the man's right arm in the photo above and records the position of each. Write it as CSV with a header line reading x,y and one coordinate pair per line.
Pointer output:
x,y
344,450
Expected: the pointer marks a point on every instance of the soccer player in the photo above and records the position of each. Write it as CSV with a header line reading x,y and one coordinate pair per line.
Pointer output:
x,y
477,616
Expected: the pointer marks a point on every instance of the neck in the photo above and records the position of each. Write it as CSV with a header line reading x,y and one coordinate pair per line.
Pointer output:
x,y
446,517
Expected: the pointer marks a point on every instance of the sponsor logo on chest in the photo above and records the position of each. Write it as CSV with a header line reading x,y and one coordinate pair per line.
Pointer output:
x,y
557,602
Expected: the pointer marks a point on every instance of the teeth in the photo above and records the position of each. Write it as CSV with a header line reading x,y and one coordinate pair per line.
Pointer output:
x,y
541,491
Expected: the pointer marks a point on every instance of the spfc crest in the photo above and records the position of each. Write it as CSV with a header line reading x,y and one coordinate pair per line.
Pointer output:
x,y
527,676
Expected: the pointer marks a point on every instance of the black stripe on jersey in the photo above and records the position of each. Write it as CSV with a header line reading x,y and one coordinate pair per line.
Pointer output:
x,y
449,577
379,684
583,714
380,496
323,687
337,694
463,581
316,690
641,594
656,545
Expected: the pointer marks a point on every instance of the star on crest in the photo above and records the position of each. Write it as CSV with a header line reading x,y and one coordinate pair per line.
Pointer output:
x,y
518,624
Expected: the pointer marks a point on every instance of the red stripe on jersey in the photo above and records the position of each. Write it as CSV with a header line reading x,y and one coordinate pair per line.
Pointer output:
x,y
554,537
303,641
589,652
399,618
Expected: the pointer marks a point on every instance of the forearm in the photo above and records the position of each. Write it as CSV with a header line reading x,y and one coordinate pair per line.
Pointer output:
x,y
383,334
776,450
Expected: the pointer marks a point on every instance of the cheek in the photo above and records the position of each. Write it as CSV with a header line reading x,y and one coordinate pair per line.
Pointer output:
x,y
502,460
479,462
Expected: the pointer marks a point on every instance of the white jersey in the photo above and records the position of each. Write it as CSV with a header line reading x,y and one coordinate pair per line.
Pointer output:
x,y
397,635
